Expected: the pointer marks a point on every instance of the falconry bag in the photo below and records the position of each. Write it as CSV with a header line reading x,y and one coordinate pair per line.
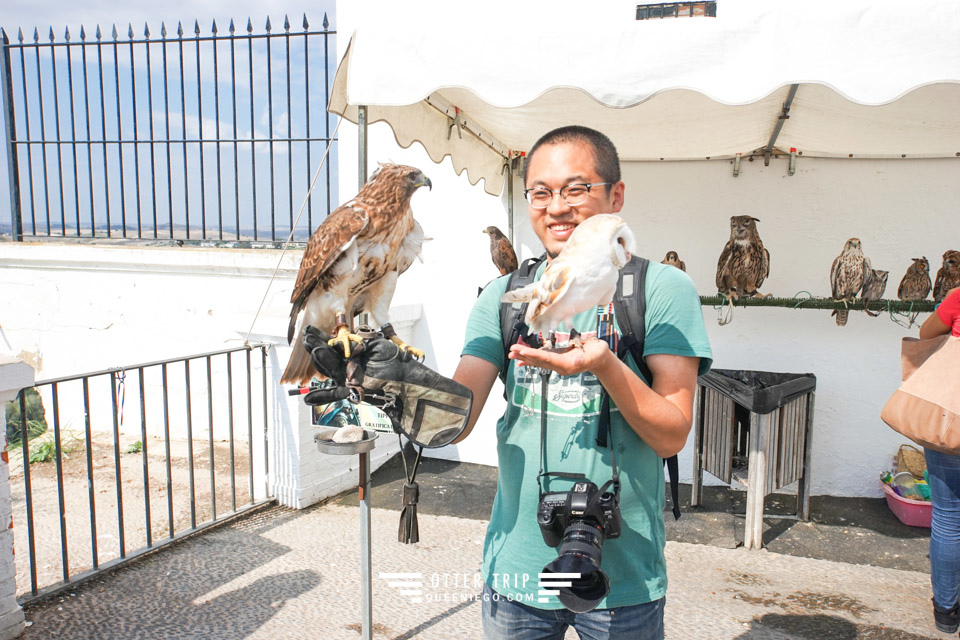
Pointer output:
x,y
427,408
926,407
629,303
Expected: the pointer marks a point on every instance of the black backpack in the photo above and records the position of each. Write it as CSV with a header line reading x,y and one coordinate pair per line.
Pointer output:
x,y
629,314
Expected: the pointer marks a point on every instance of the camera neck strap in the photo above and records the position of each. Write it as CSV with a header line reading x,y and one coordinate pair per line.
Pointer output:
x,y
604,425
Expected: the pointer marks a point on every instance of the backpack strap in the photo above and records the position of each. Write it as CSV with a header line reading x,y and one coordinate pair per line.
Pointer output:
x,y
512,325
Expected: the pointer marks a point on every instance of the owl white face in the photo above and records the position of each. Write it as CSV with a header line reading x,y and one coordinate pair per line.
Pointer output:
x,y
554,166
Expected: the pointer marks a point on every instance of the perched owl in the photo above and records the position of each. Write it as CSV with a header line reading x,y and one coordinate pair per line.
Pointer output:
x,y
744,262
501,251
674,260
948,276
846,277
582,276
874,284
916,282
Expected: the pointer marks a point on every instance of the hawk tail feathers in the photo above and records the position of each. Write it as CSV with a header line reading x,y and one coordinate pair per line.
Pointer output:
x,y
299,369
841,316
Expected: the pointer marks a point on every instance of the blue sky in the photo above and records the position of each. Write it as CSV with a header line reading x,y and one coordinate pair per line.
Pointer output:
x,y
60,14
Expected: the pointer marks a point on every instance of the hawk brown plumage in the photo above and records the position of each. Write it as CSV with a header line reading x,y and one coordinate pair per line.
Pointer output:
x,y
744,262
915,284
353,259
846,277
501,251
673,259
948,276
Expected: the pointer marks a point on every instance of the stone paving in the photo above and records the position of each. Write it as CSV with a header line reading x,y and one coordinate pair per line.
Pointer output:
x,y
281,573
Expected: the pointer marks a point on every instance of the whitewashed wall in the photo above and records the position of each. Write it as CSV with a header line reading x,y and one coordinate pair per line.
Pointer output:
x,y
899,209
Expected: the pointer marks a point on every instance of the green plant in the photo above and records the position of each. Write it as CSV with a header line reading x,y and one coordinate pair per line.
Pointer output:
x,y
136,447
43,452
36,422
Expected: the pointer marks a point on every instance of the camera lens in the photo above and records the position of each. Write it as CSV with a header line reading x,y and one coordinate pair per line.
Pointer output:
x,y
579,553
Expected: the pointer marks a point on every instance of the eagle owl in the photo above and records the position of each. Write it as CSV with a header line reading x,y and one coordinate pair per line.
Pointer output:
x,y
744,262
915,284
582,276
846,277
501,251
673,259
948,276
874,284
352,262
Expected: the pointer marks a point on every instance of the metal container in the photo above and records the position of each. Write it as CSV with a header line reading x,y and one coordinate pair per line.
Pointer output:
x,y
326,445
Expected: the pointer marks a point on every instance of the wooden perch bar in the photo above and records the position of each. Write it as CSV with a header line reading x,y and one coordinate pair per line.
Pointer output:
x,y
884,306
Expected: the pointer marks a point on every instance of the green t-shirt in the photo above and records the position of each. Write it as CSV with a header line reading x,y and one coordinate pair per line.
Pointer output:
x,y
514,552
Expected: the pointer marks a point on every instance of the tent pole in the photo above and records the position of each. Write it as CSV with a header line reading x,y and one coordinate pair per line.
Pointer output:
x,y
510,200
784,115
362,144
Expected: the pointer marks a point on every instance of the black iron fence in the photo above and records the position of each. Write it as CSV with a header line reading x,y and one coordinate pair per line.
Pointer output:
x,y
185,137
110,461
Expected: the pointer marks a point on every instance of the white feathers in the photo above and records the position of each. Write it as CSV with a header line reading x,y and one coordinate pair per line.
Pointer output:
x,y
583,276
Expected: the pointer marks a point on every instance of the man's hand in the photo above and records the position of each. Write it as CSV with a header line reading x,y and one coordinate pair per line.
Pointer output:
x,y
593,356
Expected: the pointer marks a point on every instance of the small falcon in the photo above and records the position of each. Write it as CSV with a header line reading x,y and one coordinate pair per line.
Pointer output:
x,y
673,259
501,251
352,262
582,276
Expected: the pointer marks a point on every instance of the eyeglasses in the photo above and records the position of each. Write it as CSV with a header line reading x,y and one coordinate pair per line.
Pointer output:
x,y
573,194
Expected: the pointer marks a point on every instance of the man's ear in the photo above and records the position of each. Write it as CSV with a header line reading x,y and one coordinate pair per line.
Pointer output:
x,y
616,196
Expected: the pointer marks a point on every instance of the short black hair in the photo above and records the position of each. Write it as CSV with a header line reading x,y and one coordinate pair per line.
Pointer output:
x,y
604,153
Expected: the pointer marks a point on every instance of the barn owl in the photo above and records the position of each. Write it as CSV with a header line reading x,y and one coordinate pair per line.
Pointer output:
x,y
948,276
915,284
501,251
582,276
744,262
352,262
846,277
674,260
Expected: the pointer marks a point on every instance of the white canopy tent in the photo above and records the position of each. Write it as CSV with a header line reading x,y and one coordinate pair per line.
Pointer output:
x,y
858,79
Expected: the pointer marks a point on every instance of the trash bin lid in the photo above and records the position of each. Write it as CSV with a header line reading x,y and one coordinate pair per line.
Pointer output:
x,y
759,391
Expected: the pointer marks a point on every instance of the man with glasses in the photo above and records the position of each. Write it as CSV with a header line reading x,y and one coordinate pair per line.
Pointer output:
x,y
571,174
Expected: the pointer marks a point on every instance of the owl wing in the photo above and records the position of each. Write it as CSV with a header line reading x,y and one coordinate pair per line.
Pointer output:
x,y
765,266
332,238
941,276
723,262
551,288
904,283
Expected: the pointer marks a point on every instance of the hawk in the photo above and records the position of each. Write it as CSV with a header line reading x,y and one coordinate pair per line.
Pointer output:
x,y
501,251
846,277
352,262
583,276
948,276
744,262
673,259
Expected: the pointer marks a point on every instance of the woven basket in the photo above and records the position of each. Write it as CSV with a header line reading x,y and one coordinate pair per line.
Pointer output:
x,y
911,459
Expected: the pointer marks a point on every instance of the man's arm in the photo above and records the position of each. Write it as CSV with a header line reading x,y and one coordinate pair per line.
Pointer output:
x,y
478,375
661,415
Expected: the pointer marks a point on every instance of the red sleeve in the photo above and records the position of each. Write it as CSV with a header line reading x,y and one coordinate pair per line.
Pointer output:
x,y
949,309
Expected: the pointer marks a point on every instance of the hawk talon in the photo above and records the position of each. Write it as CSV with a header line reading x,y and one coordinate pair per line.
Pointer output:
x,y
416,353
344,337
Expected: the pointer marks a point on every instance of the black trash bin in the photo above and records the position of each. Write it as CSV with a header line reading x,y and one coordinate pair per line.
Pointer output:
x,y
761,420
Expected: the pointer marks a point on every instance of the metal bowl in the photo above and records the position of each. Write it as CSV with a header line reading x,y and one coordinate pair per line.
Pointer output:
x,y
326,445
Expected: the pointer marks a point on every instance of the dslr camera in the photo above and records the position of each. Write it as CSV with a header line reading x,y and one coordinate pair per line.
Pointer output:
x,y
578,522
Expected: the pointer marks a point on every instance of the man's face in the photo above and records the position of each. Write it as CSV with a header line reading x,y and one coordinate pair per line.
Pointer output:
x,y
554,166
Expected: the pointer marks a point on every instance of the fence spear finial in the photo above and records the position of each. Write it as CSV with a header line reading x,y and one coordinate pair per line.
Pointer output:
x,y
99,34
269,28
83,34
196,28
249,26
52,37
163,30
146,31
36,35
286,23
20,34
114,34
66,34
179,29
130,30
306,25
326,22
232,28
213,28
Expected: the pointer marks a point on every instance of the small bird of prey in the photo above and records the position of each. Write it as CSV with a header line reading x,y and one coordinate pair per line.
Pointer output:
x,y
874,284
352,262
948,276
846,277
915,284
501,251
674,261
582,276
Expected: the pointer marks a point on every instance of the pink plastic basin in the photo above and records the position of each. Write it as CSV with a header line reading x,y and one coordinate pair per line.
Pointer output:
x,y
915,513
